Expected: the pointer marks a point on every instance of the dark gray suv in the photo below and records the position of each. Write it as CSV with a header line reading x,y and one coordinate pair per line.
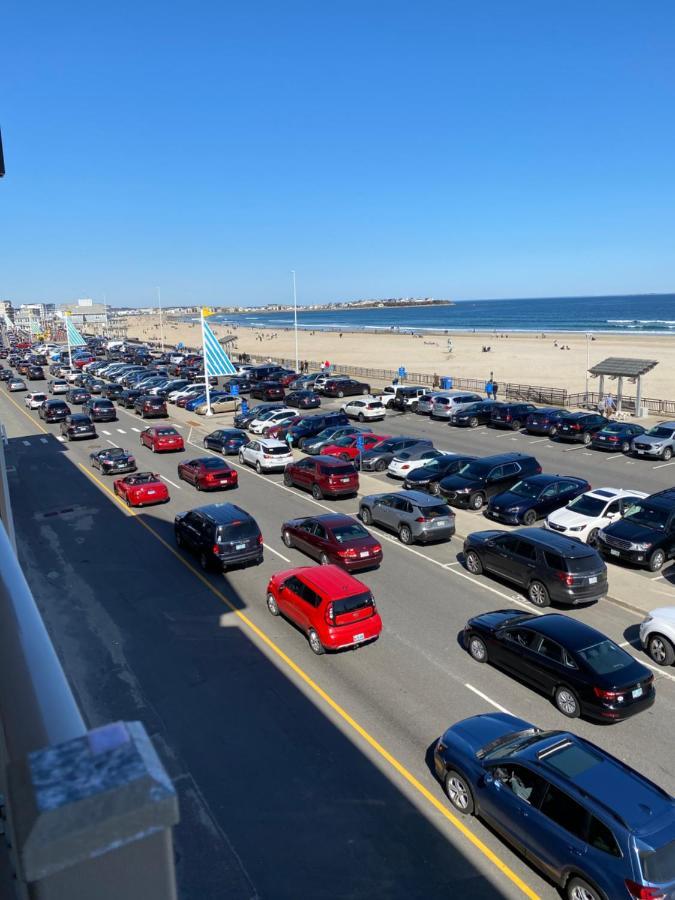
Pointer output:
x,y
378,459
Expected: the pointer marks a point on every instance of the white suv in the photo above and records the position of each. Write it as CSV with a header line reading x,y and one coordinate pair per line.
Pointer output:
x,y
369,408
270,417
589,512
266,455
657,635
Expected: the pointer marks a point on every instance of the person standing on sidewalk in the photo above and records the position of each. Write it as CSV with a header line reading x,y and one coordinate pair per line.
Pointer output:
x,y
495,388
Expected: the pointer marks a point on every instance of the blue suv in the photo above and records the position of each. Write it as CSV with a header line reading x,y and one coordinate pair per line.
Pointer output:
x,y
597,828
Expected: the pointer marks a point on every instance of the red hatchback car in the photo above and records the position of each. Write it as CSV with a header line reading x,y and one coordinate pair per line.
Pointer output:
x,y
329,605
347,447
208,473
333,538
324,476
141,489
161,438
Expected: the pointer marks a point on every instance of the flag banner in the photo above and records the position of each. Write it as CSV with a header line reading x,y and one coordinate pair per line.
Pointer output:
x,y
217,360
9,323
207,312
75,339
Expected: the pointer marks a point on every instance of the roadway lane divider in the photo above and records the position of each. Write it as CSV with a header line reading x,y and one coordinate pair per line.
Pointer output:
x,y
339,710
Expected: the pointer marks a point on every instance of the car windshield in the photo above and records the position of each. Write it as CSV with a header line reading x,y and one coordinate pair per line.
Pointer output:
x,y
587,506
606,657
141,478
660,431
511,743
435,512
649,516
212,463
280,450
115,453
476,469
433,465
528,489
350,532
658,866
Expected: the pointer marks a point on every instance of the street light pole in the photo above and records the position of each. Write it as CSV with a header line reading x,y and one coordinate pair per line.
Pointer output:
x,y
161,324
295,322
588,359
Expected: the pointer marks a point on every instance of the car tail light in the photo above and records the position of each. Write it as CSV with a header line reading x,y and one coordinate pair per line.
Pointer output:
x,y
422,519
215,549
607,695
349,553
538,470
575,426
507,417
642,892
330,615
260,538
406,466
565,578
377,548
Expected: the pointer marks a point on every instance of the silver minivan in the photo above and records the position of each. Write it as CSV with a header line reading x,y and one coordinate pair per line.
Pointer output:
x,y
444,405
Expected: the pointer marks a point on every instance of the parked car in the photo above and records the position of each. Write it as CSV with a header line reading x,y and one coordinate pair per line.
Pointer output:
x,y
77,395
58,386
576,812
266,455
378,459
616,436
511,415
324,476
428,477
588,513
112,460
35,399
54,411
35,373
645,535
220,404
242,420
658,442
445,404
580,427
414,516
477,481
329,605
314,446
268,390
269,417
141,489
128,398
333,539
407,394
264,372
146,407
367,409
425,403
100,410
406,461
657,635
112,391
226,440
534,498
352,446
312,425
162,439
344,387
221,535
548,566
303,399
279,429
208,473
471,415
579,668
77,426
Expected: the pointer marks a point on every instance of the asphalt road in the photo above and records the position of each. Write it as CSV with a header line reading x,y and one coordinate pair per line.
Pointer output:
x,y
298,775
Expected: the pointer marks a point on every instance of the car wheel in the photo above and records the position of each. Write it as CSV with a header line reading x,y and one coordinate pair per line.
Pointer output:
x,y
473,422
552,431
315,644
361,417
586,439
198,485
660,650
340,394
530,517
476,501
127,500
477,648
301,443
538,594
405,535
667,454
365,515
288,481
578,889
474,563
625,447
380,465
317,493
515,426
459,793
567,702
272,605
241,458
656,561
258,467
592,539
287,539
179,539
323,559
434,488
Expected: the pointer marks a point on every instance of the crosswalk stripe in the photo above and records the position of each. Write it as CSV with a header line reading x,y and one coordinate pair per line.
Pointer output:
x,y
121,430
103,431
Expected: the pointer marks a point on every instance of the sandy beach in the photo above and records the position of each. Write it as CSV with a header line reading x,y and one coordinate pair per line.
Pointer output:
x,y
519,357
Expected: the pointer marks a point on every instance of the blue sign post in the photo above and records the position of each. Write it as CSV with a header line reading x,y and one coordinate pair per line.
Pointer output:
x,y
234,390
359,446
402,374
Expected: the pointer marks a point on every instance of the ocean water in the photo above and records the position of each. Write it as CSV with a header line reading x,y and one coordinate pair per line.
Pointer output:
x,y
646,314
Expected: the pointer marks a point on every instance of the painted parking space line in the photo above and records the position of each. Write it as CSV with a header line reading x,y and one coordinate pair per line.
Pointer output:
x,y
613,458
169,481
60,437
137,430
539,441
276,552
103,431
488,699
121,430
663,465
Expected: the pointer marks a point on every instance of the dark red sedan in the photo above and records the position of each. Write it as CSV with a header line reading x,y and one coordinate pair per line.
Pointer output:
x,y
141,489
333,538
268,390
208,473
162,438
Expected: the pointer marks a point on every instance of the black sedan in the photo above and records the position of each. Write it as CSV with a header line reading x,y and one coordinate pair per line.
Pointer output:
x,y
344,387
77,396
112,460
226,441
582,670
474,414
303,399
546,420
580,427
534,498
616,436
78,426
427,478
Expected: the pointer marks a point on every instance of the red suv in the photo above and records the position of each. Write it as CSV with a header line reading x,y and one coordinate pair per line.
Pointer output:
x,y
329,605
324,476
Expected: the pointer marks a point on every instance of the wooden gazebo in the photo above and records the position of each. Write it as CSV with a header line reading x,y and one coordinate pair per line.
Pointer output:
x,y
618,367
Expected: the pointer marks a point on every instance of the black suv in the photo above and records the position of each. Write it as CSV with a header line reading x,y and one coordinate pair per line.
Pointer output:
x,y
221,535
377,459
312,425
580,427
481,479
100,410
549,566
511,415
645,535
54,411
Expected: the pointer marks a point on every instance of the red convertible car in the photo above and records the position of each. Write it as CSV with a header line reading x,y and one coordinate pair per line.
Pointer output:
x,y
141,489
208,473
162,437
347,448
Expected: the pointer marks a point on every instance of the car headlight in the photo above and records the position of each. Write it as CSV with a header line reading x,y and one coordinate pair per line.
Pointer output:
x,y
647,620
577,528
642,545
462,490
513,509
656,446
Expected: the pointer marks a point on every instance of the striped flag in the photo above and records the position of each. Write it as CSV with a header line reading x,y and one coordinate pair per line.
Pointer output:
x,y
216,359
75,339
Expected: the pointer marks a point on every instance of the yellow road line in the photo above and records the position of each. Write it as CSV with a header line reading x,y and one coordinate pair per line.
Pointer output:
x,y
334,705
28,415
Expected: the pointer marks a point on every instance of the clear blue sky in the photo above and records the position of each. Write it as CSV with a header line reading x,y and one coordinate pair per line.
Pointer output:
x,y
453,149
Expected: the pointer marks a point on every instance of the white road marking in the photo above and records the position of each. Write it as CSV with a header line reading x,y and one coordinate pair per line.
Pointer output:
x,y
164,478
137,430
663,465
657,669
26,443
613,458
280,555
104,432
656,577
112,443
121,431
488,700
60,437
539,441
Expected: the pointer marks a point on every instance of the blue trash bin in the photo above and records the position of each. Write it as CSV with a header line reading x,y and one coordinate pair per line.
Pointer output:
x,y
446,382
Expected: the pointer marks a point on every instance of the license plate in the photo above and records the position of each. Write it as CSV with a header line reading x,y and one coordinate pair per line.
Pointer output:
x,y
223,480
345,480
152,492
363,553
636,693
615,552
641,452
240,546
593,579
439,523
601,438
358,638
